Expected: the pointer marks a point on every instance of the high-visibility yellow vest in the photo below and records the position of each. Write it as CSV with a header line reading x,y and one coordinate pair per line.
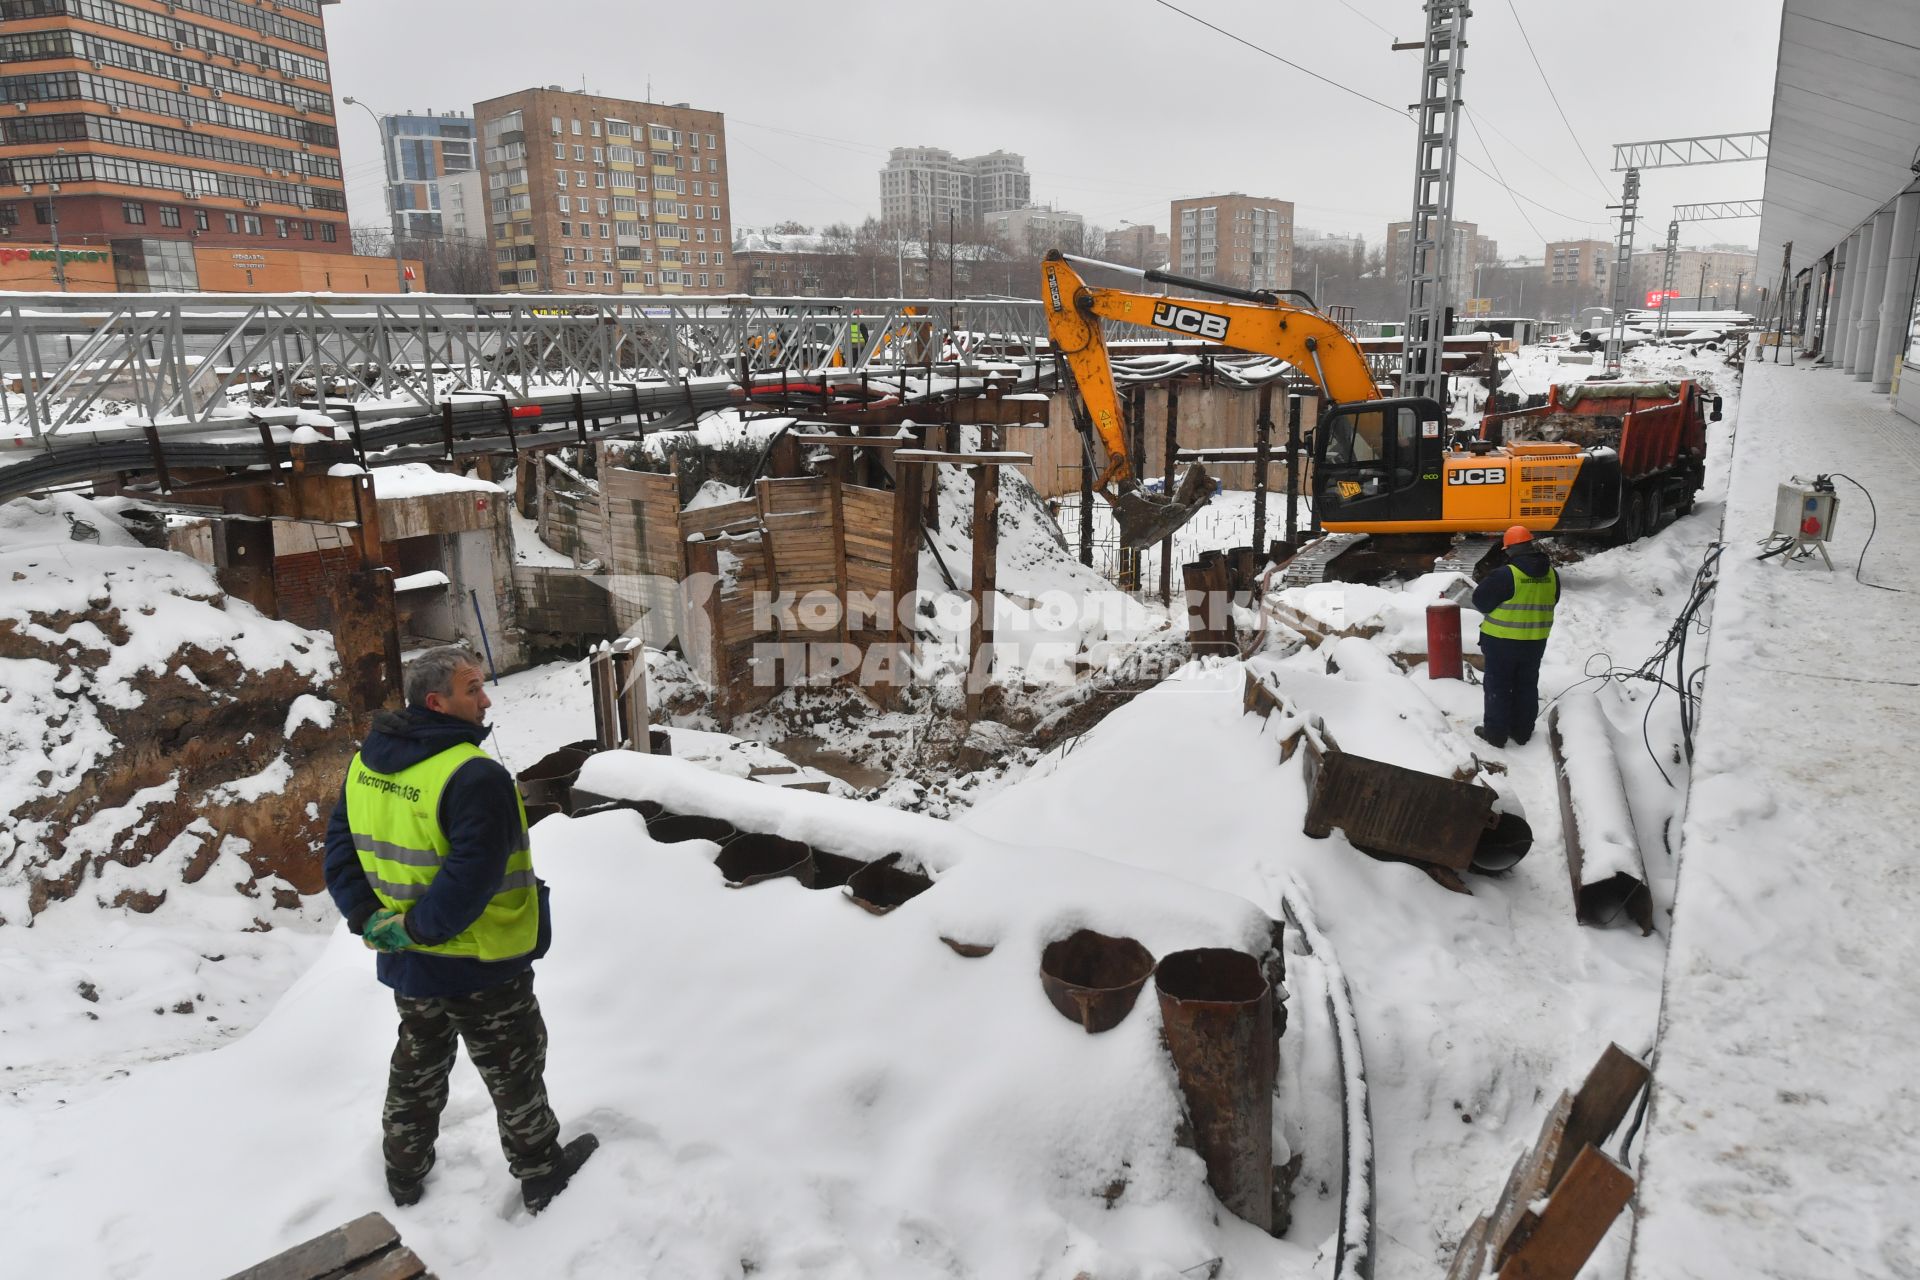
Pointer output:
x,y
1528,614
395,820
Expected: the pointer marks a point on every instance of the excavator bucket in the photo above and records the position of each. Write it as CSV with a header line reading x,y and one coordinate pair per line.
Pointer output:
x,y
1145,519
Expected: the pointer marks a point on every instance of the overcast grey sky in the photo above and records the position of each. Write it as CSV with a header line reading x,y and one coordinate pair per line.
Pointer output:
x,y
1119,106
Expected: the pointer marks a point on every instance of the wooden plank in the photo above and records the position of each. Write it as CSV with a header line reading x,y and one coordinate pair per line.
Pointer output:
x,y
840,551
1601,1104
1528,1180
1577,1217
986,540
770,562
909,489
1470,1259
962,459
858,442
336,1250
704,557
396,1264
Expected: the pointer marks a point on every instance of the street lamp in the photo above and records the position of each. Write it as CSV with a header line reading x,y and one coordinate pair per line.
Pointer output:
x,y
399,264
53,218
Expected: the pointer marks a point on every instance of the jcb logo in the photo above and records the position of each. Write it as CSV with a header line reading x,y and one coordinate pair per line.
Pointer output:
x,y
1478,475
1187,320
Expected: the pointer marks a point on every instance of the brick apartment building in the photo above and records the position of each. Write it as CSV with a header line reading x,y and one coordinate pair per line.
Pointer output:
x,y
185,145
588,194
1585,264
1138,245
1235,239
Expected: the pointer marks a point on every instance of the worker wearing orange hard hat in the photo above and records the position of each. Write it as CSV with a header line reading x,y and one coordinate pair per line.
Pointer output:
x,y
1516,603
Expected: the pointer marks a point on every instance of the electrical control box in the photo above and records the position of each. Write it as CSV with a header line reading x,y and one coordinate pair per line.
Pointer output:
x,y
1805,512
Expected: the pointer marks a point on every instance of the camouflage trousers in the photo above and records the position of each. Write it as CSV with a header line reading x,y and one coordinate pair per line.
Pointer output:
x,y
507,1040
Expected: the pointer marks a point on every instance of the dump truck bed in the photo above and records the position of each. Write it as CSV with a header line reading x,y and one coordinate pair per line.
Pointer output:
x,y
1650,425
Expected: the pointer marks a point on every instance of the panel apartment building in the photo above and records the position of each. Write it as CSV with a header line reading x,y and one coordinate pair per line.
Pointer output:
x,y
423,153
1236,239
185,145
588,194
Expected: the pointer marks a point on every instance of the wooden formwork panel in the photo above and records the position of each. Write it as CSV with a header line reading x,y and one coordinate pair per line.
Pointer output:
x,y
561,600
722,517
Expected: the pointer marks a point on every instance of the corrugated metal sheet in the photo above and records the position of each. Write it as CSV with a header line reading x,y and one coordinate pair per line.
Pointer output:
x,y
1846,122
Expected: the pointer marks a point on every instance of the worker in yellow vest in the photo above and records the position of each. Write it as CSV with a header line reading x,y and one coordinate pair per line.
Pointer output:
x,y
428,859
1516,602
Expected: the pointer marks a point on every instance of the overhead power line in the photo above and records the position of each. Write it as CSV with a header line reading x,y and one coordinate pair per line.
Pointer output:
x,y
1308,71
1472,119
1502,181
1398,111
1556,101
1363,17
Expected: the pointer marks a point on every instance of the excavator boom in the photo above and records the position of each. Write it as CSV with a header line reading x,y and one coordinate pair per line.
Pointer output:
x,y
1260,323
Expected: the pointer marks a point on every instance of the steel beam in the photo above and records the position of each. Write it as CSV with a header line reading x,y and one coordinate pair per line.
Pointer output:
x,y
1667,153
1716,209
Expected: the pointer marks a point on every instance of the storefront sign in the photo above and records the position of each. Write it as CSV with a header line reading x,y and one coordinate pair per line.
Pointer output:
x,y
46,255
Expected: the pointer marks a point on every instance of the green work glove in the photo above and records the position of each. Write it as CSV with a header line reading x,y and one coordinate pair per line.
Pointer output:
x,y
386,931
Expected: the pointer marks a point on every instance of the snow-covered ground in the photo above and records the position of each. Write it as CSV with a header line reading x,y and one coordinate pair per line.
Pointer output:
x,y
788,1087
1785,1121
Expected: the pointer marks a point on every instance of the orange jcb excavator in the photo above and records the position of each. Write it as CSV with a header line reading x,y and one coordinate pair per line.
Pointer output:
x,y
1382,465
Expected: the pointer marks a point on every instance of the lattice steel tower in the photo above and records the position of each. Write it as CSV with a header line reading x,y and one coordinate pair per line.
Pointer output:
x,y
1430,239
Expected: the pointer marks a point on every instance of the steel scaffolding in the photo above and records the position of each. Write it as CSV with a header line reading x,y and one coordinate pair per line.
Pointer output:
x,y
1430,236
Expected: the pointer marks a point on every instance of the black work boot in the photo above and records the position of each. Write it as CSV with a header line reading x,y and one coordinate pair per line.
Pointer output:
x,y
539,1192
405,1191
1480,732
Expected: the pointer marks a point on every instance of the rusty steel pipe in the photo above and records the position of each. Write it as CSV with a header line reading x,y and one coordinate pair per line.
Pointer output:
x,y
881,886
753,857
1093,979
549,780
1216,1011
673,828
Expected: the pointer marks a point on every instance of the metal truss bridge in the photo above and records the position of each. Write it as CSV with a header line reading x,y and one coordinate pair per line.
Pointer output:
x,y
185,362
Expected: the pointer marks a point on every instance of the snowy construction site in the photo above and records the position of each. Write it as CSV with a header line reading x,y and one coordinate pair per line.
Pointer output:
x,y
1152,780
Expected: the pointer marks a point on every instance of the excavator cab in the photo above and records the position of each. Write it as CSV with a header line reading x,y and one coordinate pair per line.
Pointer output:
x,y
1379,460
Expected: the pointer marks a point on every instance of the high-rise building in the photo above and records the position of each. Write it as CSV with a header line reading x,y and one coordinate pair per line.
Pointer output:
x,y
1235,239
1583,264
1000,182
421,153
1465,244
178,144
923,186
588,194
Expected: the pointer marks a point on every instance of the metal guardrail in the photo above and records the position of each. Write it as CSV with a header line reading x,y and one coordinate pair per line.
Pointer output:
x,y
65,360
